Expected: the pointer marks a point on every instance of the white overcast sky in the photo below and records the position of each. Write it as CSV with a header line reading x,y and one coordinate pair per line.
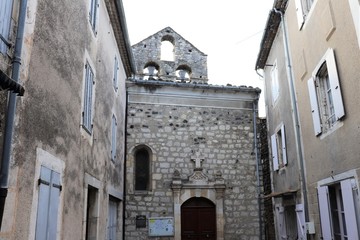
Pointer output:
x,y
228,31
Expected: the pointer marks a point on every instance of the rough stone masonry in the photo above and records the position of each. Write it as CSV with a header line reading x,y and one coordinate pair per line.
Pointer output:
x,y
175,121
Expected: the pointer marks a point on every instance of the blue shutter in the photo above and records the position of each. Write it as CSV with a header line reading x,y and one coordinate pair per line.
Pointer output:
x,y
112,220
116,67
5,20
48,204
88,91
314,106
113,137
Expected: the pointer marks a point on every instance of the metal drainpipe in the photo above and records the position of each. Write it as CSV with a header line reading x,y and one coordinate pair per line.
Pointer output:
x,y
125,157
10,116
295,116
255,102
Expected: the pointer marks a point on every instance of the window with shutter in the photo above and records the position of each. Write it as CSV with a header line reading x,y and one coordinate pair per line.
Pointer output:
x,y
88,98
338,211
93,14
275,88
278,147
5,22
300,216
113,138
325,95
48,204
112,224
116,69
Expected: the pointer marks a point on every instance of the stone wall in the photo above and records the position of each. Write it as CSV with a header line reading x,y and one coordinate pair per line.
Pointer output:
x,y
223,137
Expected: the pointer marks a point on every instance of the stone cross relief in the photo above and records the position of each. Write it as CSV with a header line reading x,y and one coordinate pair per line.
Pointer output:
x,y
198,160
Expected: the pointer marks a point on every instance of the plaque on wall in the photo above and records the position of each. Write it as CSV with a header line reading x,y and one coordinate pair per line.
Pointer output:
x,y
161,226
140,221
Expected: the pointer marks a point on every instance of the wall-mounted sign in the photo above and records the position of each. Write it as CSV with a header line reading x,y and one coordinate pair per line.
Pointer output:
x,y
161,226
141,221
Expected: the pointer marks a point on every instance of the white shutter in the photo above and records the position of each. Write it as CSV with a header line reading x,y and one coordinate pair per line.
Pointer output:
x,y
281,232
283,144
349,208
300,216
299,13
274,152
334,84
325,213
314,106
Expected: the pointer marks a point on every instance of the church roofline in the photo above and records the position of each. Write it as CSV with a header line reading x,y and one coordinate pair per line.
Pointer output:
x,y
169,28
195,85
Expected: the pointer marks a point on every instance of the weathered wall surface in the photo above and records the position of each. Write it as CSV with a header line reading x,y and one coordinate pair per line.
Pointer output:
x,y
49,117
178,127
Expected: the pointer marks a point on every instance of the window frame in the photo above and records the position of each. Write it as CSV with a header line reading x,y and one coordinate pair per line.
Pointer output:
x,y
275,87
278,143
87,113
116,74
347,186
316,94
303,8
5,24
93,14
113,138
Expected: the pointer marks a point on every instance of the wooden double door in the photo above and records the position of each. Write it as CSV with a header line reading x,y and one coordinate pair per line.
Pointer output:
x,y
198,219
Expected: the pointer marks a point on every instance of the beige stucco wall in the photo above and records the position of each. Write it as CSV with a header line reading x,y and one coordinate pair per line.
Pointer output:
x,y
329,24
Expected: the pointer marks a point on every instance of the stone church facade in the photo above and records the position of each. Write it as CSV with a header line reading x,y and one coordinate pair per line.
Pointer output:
x,y
191,161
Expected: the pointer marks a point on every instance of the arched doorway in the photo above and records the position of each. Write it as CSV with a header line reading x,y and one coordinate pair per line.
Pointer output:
x,y
198,219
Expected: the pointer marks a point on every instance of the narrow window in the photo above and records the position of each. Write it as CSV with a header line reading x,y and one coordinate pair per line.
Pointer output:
x,y
113,219
142,167
275,82
167,51
113,138
325,94
116,70
88,97
151,71
93,14
48,204
278,146
338,210
5,20
91,213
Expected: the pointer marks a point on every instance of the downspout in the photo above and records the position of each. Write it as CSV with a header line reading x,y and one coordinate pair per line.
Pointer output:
x,y
10,116
125,157
258,190
295,116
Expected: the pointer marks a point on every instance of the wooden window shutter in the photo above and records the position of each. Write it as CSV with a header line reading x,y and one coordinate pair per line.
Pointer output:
x,y
334,84
300,215
274,152
324,207
314,106
280,217
48,204
5,19
299,13
113,138
349,207
283,144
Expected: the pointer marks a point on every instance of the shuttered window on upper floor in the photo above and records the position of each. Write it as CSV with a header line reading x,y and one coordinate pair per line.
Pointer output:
x,y
88,98
93,14
5,23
